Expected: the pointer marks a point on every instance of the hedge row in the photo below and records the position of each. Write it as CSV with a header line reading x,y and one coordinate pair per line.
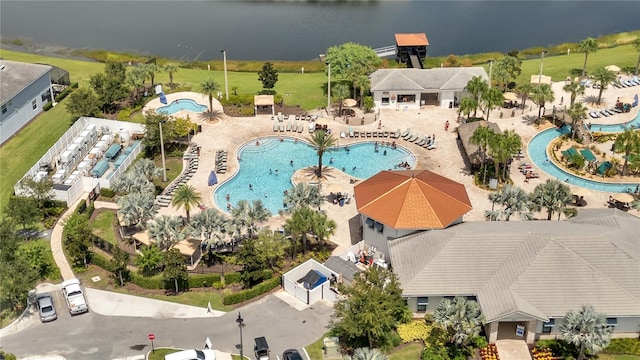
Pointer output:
x,y
254,292
68,90
102,262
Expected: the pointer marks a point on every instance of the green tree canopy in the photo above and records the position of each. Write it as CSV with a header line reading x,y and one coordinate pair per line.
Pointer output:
x,y
322,142
268,76
587,46
149,260
462,320
575,88
110,86
175,268
208,87
371,308
628,143
186,197
552,195
587,329
603,77
171,69
542,94
83,102
77,238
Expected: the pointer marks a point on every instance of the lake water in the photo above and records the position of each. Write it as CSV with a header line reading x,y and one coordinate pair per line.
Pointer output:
x,y
300,30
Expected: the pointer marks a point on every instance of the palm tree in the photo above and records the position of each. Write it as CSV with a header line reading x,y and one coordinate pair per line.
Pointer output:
x,y
207,225
575,88
208,87
467,105
587,329
482,137
368,354
514,200
541,95
364,84
500,152
587,46
137,208
135,79
461,318
514,144
604,77
166,231
150,69
149,260
491,98
146,168
524,90
339,93
636,45
171,69
186,197
131,182
476,87
552,195
578,113
301,195
245,217
322,227
629,143
322,142
300,223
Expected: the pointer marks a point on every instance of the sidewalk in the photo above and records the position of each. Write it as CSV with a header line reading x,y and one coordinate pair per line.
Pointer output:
x,y
116,304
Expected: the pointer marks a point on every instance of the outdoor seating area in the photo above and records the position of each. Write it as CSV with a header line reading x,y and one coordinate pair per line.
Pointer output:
x,y
221,161
527,170
620,201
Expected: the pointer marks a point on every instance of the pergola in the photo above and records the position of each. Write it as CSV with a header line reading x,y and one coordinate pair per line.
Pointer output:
x,y
263,101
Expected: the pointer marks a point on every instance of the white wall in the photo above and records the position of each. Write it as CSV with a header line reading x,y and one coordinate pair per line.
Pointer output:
x,y
393,100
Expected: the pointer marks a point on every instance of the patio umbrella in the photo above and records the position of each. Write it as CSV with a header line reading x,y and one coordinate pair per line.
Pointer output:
x,y
509,96
613,68
623,198
323,121
582,192
349,102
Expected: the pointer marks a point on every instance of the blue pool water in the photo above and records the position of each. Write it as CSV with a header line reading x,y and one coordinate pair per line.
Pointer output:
x,y
181,104
267,167
538,154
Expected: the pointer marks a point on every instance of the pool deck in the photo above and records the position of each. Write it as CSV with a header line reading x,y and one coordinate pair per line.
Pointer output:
x,y
229,133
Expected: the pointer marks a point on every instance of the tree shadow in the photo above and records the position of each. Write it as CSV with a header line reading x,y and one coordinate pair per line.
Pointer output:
x,y
211,115
530,119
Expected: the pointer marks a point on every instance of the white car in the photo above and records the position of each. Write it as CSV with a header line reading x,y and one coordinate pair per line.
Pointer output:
x,y
73,294
192,354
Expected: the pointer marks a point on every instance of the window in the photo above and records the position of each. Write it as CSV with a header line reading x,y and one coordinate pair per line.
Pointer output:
x,y
548,326
423,302
612,321
379,227
45,96
34,104
4,108
370,222
385,98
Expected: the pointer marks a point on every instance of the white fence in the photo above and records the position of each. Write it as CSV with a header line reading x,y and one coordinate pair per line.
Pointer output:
x,y
322,291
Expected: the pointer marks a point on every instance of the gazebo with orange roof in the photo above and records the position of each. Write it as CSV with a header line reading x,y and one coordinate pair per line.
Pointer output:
x,y
393,204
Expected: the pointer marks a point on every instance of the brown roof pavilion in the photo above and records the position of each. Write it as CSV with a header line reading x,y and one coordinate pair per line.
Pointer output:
x,y
412,199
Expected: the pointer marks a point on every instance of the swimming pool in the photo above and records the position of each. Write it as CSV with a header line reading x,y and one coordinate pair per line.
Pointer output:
x,y
267,167
538,154
181,104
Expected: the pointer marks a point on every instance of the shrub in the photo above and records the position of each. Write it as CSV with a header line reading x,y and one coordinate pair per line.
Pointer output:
x,y
68,90
417,330
101,262
629,346
154,282
232,278
47,106
82,207
108,193
255,291
124,115
203,280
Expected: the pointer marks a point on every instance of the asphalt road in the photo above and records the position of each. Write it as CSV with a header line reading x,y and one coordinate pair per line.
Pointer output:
x,y
94,336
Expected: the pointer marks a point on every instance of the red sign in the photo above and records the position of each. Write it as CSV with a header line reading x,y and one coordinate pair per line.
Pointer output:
x,y
151,337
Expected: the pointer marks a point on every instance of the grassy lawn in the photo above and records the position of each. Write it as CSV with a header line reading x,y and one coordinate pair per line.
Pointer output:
x,y
159,354
174,168
410,351
102,226
617,357
193,298
315,350
21,152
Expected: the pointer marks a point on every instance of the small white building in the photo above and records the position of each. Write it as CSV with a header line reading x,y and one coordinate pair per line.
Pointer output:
x,y
402,89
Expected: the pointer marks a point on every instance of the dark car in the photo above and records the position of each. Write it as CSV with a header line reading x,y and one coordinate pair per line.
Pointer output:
x,y
46,310
291,354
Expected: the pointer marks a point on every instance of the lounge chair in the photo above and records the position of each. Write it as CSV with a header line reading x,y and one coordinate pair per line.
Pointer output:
x,y
422,141
396,134
604,113
356,134
374,134
405,133
368,134
351,133
300,128
412,138
408,136
275,127
288,127
432,146
386,134
281,127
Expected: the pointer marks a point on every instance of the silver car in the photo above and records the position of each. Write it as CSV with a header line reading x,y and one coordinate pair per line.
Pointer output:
x,y
46,309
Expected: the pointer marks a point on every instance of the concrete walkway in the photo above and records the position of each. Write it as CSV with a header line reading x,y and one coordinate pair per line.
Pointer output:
x,y
116,304
513,349
56,241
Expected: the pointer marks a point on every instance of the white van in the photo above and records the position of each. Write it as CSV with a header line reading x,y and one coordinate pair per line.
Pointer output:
x,y
192,354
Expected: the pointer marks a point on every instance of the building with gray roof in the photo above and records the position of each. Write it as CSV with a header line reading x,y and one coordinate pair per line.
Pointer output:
x,y
412,88
24,90
528,273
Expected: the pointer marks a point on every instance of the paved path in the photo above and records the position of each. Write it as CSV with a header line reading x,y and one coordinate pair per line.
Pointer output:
x,y
56,242
511,349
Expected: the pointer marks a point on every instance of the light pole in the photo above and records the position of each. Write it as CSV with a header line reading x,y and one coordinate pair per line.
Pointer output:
x,y
490,71
240,322
226,80
541,64
329,87
164,165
